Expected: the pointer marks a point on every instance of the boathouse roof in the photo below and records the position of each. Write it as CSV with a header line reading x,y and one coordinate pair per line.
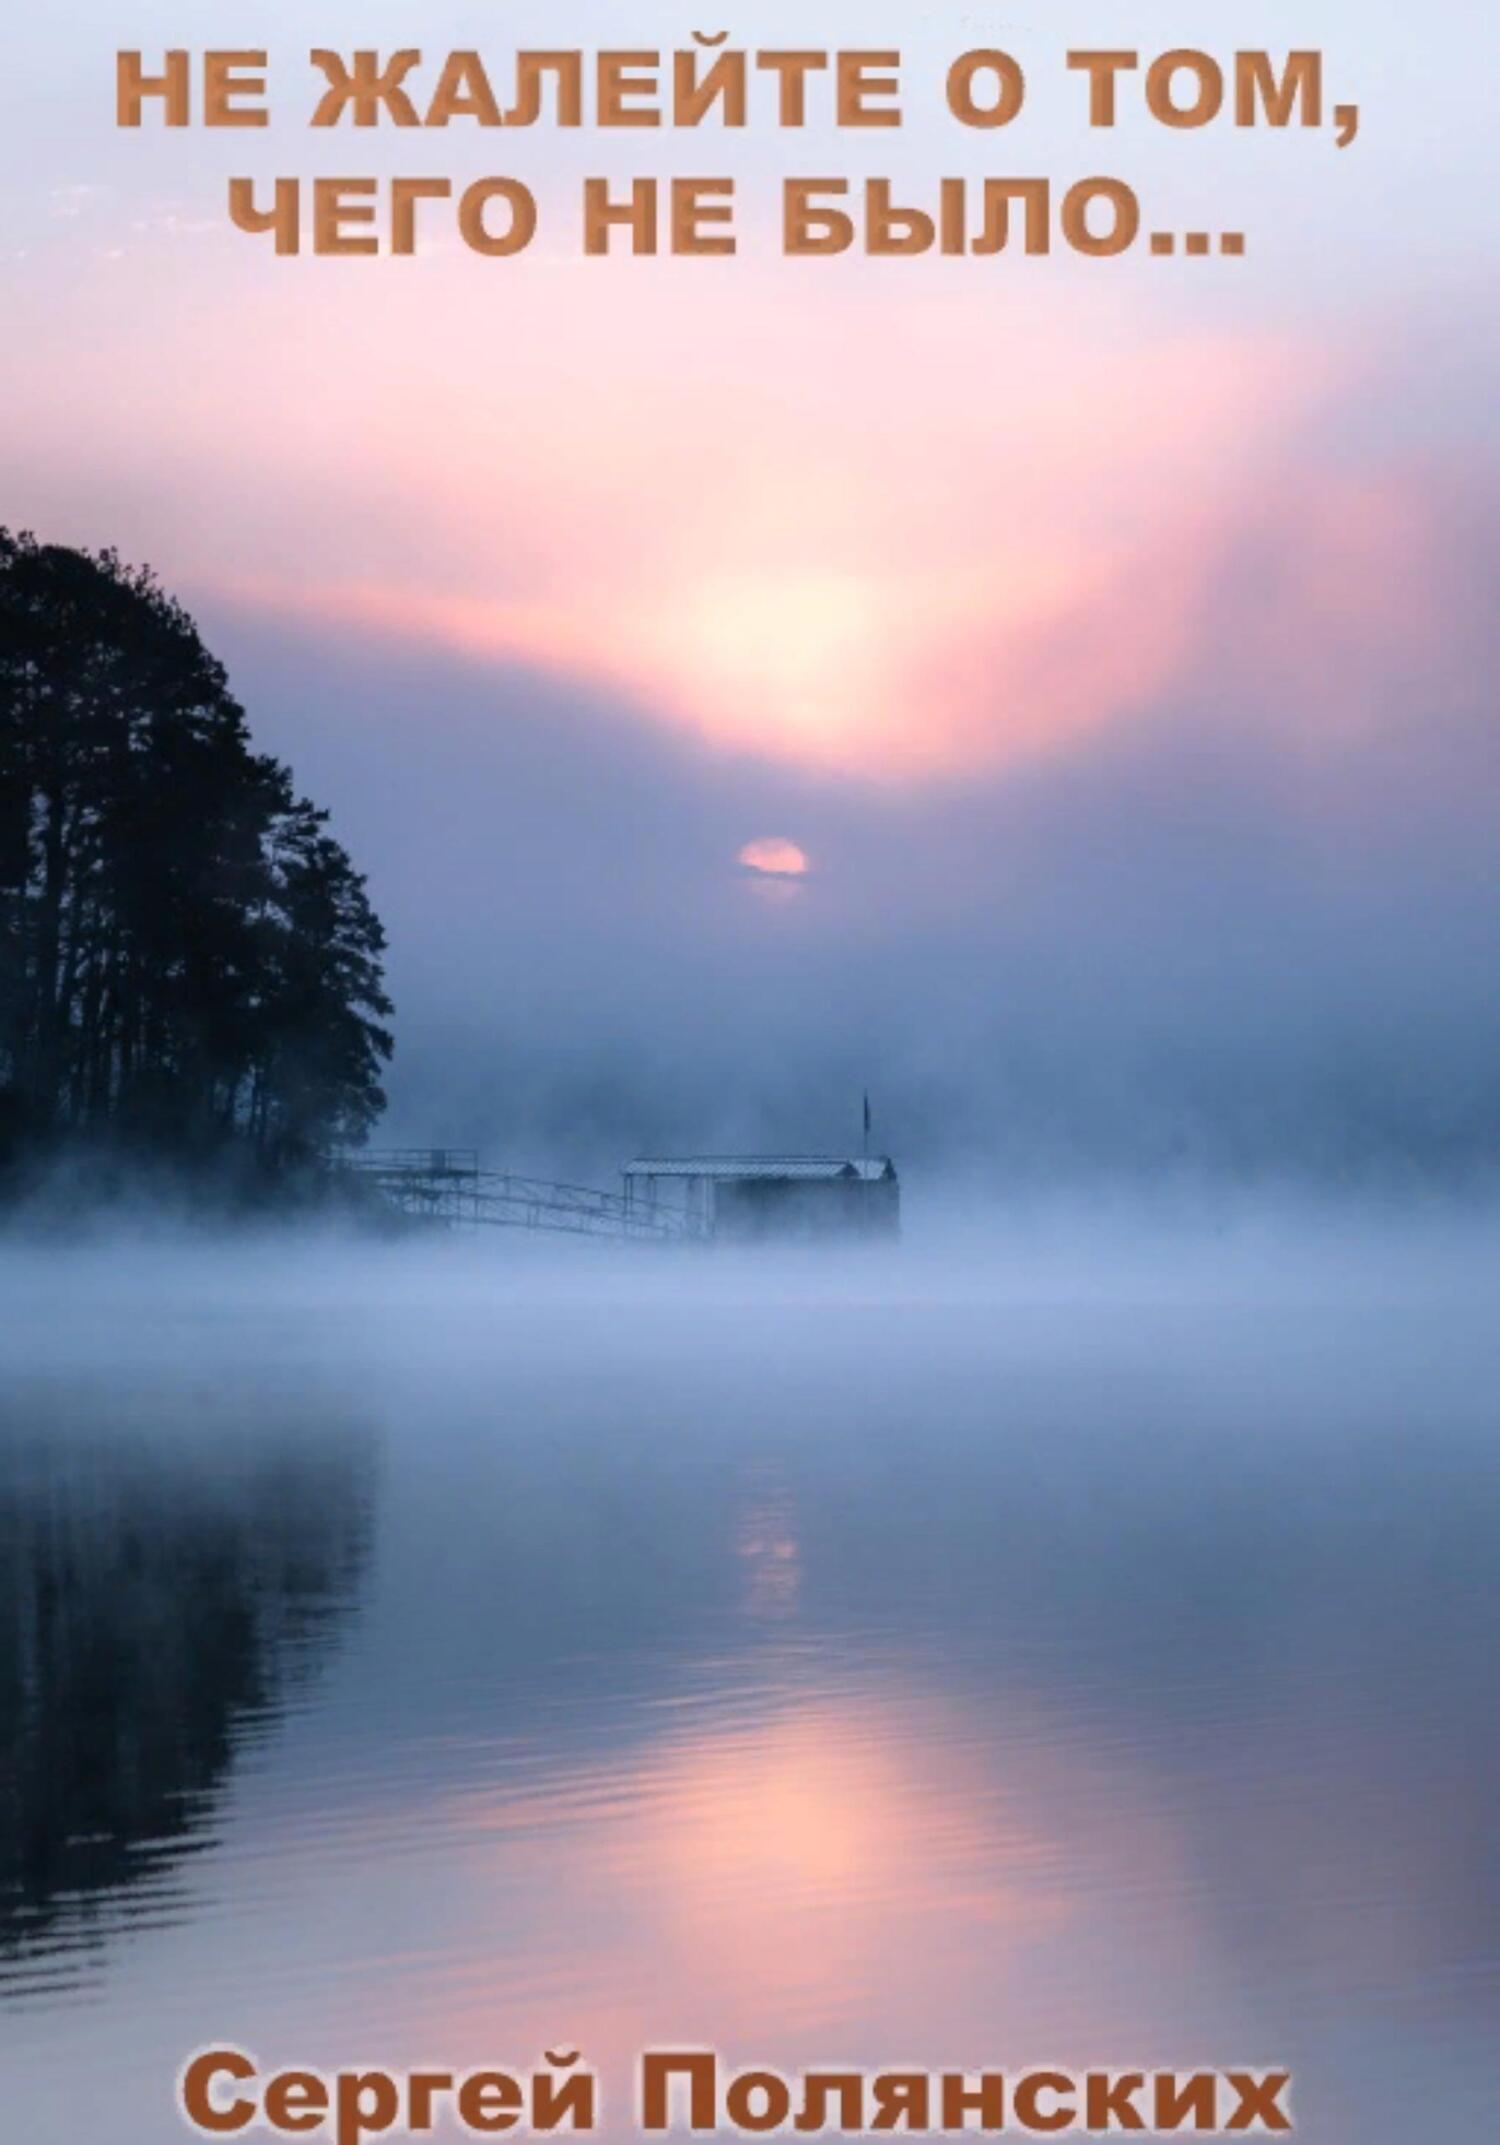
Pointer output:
x,y
825,1167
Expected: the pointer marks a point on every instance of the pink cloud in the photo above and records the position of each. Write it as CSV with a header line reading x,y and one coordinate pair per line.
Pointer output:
x,y
890,540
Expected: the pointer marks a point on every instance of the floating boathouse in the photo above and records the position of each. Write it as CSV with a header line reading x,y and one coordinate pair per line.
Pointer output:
x,y
744,1198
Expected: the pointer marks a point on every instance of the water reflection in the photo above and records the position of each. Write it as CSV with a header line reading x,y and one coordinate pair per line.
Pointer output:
x,y
766,1542
922,1692
165,1594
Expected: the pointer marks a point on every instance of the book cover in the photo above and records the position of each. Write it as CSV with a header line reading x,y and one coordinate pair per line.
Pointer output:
x,y
749,1072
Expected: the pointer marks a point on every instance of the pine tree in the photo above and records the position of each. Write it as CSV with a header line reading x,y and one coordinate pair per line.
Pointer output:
x,y
189,962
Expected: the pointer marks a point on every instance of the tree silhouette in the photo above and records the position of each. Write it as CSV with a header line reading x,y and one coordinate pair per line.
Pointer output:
x,y
160,1596
188,960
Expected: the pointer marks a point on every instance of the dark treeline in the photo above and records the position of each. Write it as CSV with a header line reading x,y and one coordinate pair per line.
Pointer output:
x,y
190,970
160,1598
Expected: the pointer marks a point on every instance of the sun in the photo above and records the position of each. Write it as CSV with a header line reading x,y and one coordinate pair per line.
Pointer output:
x,y
774,857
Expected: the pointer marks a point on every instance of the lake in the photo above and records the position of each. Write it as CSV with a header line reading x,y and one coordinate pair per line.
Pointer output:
x,y
1079,1653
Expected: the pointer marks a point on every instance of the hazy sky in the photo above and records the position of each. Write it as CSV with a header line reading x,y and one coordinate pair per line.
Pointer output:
x,y
1113,638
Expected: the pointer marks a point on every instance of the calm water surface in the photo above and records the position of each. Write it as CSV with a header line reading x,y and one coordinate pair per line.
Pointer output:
x,y
448,1670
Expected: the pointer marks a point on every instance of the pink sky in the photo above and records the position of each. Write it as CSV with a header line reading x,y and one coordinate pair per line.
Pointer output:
x,y
884,542
883,520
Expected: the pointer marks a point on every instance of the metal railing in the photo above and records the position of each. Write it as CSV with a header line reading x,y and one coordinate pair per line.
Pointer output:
x,y
446,1185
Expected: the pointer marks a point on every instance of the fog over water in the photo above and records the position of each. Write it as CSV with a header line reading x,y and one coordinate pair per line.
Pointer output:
x,y
1065,1643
